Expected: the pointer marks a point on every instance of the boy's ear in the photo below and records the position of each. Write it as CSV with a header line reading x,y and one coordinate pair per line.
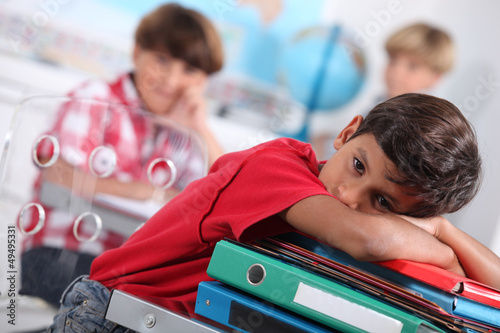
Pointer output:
x,y
347,132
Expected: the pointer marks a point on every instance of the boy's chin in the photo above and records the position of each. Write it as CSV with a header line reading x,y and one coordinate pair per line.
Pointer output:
x,y
160,108
394,93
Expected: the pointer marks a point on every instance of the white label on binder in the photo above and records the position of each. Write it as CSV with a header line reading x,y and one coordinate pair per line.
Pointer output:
x,y
345,311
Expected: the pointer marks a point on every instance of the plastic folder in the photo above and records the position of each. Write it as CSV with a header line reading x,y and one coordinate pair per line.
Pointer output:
x,y
239,310
471,311
446,280
308,294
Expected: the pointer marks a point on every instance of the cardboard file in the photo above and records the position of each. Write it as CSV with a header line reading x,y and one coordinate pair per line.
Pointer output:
x,y
359,281
429,274
456,306
385,289
308,294
241,311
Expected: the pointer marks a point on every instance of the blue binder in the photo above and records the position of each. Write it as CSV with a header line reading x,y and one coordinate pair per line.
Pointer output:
x,y
247,313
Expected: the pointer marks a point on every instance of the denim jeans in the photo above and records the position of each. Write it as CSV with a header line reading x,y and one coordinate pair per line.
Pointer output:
x,y
47,271
83,306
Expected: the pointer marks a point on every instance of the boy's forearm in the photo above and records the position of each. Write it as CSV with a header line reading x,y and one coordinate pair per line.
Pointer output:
x,y
368,237
82,183
214,148
398,239
479,262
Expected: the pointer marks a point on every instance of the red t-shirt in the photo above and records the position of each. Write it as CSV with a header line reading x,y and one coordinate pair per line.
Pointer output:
x,y
167,258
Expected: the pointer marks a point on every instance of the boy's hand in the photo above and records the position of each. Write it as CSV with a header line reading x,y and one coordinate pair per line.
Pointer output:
x,y
456,268
190,109
432,225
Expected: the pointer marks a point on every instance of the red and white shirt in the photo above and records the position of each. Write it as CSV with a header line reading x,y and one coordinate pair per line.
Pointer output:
x,y
130,139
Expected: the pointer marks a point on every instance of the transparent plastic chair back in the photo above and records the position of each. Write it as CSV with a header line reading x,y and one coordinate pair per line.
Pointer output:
x,y
60,152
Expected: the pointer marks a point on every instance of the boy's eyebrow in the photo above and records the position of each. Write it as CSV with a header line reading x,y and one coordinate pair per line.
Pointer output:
x,y
364,159
364,156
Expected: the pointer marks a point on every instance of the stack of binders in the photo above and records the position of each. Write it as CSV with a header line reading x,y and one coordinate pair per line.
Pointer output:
x,y
293,283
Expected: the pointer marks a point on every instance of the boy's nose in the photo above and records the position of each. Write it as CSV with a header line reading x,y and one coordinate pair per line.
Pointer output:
x,y
350,196
172,78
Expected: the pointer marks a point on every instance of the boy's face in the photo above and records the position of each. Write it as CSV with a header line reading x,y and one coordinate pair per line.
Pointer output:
x,y
163,81
407,73
357,175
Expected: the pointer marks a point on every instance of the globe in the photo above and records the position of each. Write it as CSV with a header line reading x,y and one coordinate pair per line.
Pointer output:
x,y
322,68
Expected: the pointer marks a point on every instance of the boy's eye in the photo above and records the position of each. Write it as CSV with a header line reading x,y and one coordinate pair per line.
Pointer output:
x,y
384,203
163,59
191,70
358,165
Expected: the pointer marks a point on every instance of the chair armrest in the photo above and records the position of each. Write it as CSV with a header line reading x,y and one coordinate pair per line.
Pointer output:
x,y
145,317
60,197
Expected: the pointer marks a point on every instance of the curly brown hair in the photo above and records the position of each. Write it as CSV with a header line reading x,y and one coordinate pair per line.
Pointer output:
x,y
434,148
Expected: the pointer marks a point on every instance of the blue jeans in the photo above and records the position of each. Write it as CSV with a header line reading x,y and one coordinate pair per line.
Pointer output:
x,y
47,271
83,306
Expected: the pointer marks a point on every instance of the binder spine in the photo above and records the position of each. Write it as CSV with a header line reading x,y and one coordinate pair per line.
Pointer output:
x,y
241,311
306,293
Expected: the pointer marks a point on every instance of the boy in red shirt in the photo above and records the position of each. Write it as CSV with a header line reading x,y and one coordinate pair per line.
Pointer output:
x,y
379,197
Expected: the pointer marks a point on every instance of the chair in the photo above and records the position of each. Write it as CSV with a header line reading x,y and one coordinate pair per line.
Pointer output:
x,y
43,171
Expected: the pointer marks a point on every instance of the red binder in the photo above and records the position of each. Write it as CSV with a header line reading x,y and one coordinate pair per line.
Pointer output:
x,y
445,280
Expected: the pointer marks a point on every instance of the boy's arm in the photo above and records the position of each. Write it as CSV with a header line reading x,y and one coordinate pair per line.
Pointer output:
x,y
214,148
63,173
367,236
479,262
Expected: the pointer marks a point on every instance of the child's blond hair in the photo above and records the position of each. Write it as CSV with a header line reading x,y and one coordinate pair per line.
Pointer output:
x,y
434,46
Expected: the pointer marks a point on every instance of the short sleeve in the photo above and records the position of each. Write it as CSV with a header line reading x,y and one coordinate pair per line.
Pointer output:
x,y
268,181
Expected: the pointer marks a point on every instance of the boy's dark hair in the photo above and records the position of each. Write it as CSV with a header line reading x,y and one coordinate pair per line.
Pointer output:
x,y
433,147
183,33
